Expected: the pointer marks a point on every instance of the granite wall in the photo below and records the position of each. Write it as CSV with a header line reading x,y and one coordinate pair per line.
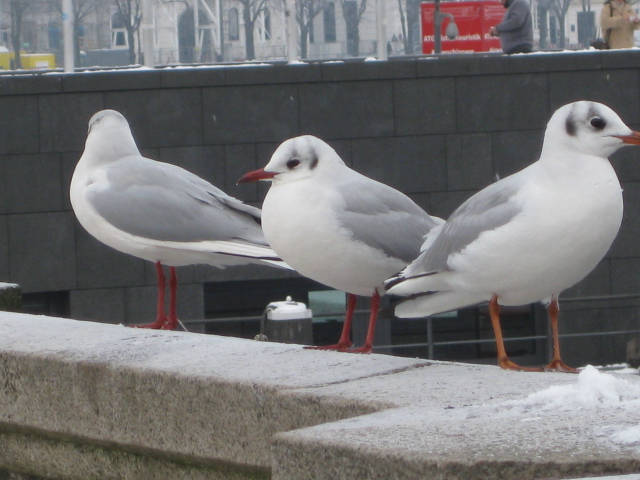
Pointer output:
x,y
436,128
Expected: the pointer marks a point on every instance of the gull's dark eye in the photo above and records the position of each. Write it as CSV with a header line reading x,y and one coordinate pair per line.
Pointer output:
x,y
598,123
293,163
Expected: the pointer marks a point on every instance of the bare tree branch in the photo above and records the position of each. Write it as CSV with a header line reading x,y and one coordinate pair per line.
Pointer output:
x,y
251,9
130,12
17,11
352,18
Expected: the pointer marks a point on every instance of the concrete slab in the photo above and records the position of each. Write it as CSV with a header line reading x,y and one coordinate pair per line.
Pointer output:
x,y
182,398
474,422
87,400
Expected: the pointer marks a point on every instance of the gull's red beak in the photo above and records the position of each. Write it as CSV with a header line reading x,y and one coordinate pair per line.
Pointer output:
x,y
256,175
633,139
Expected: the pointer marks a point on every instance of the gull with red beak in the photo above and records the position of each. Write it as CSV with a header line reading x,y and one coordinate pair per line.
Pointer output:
x,y
336,226
531,235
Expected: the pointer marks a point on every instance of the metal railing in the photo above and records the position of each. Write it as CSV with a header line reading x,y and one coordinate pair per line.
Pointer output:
x,y
431,344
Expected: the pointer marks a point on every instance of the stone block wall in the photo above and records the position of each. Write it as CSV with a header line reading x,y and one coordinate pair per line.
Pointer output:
x,y
436,128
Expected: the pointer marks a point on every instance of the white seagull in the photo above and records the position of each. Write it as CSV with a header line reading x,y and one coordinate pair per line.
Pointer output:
x,y
159,212
531,235
336,226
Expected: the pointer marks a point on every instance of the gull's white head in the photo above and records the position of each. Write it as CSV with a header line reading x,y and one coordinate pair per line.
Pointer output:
x,y
109,136
588,127
298,158
107,119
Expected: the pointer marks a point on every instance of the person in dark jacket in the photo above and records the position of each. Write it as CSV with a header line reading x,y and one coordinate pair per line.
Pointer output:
x,y
516,29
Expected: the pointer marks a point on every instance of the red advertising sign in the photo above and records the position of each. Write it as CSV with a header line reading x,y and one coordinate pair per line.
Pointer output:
x,y
474,18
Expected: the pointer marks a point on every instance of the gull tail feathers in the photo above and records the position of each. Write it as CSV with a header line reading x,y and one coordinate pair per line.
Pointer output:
x,y
240,253
431,303
416,284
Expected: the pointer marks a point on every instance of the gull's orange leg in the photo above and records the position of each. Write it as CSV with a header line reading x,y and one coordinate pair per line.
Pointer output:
x,y
373,316
161,319
344,341
556,364
503,359
172,321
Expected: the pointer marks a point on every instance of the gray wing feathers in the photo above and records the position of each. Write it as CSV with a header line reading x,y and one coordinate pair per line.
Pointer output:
x,y
487,210
385,219
165,202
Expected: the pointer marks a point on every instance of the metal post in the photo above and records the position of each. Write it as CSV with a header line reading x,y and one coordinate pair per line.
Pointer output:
x,y
221,28
196,31
148,44
437,28
292,27
381,29
67,34
176,35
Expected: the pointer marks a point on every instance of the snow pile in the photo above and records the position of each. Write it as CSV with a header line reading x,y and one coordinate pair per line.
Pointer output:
x,y
629,436
593,392
593,389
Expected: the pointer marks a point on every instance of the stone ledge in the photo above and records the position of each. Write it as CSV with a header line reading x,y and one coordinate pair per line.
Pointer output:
x,y
173,397
472,423
93,401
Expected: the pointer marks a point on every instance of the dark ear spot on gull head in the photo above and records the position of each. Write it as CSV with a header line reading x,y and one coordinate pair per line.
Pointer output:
x,y
314,161
312,154
570,125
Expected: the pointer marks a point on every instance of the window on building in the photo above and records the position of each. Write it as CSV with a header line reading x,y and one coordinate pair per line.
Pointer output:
x,y
234,25
542,18
467,335
118,39
55,36
553,30
329,308
118,32
329,20
267,24
55,304
350,8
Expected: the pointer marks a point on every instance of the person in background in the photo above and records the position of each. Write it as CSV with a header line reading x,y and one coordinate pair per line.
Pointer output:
x,y
516,29
621,20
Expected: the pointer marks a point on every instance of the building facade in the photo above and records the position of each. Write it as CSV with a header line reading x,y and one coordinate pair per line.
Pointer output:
x,y
332,28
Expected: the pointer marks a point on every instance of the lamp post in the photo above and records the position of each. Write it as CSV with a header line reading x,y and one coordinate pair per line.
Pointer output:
x,y
381,30
452,28
67,35
148,44
292,30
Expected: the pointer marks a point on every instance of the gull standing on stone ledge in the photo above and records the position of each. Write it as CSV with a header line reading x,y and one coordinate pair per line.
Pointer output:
x,y
336,226
531,235
160,212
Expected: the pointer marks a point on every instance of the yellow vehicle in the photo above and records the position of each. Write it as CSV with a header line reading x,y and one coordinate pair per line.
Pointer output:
x,y
30,61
